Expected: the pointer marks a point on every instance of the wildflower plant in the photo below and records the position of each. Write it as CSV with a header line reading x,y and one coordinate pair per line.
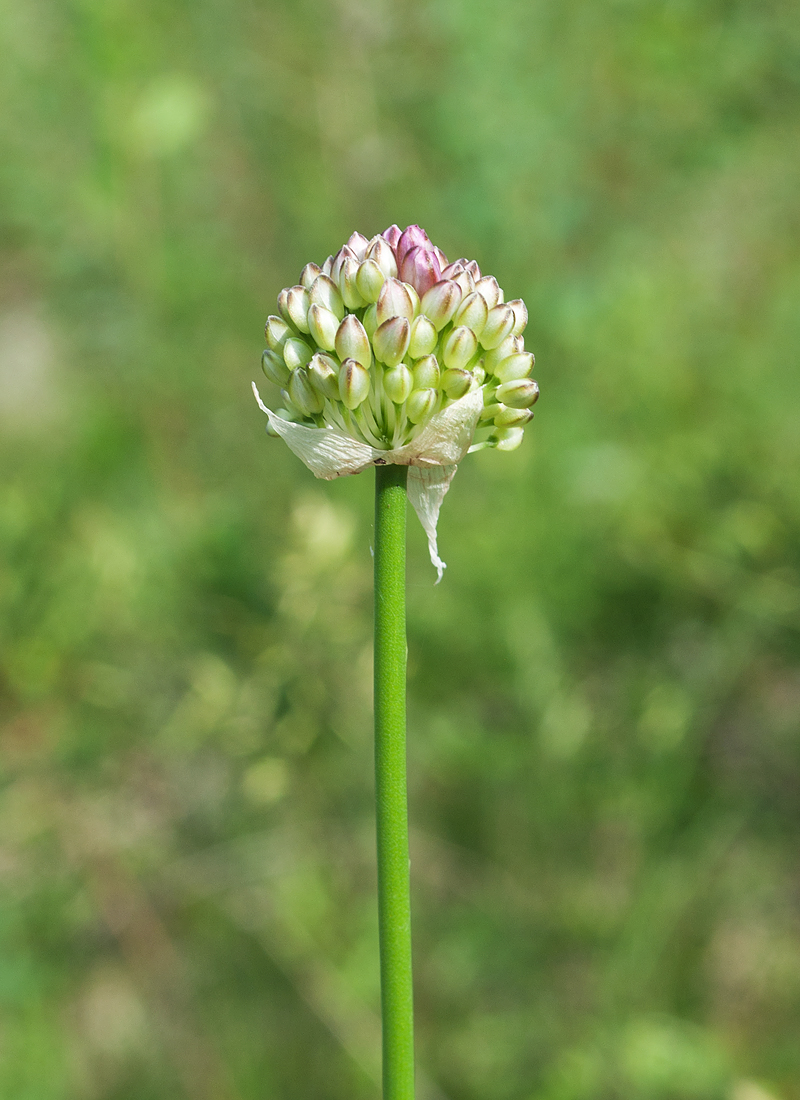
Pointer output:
x,y
390,356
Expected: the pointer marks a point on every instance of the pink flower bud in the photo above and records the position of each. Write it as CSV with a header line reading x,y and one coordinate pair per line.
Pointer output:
x,y
453,269
420,267
358,243
392,235
411,238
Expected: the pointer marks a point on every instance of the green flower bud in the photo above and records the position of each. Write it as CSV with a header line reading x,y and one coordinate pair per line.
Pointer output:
x,y
479,374
421,405
520,393
507,439
391,340
395,301
283,307
352,341
323,325
370,321
383,254
507,347
274,367
472,312
309,274
520,316
354,383
348,275
465,281
296,352
414,300
498,326
398,383
323,373
369,280
459,347
441,301
426,373
490,411
512,418
325,292
424,337
303,394
344,253
515,366
456,382
489,290
297,303
276,332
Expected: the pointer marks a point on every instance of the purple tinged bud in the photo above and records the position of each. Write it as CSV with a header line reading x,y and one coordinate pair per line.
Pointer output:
x,y
357,242
303,394
296,353
354,383
474,270
424,337
398,383
392,235
508,439
440,256
520,316
520,393
394,301
472,312
369,280
383,254
459,347
426,373
343,254
514,367
511,418
276,332
323,373
441,301
325,292
322,325
297,303
348,274
352,341
309,274
453,269
490,291
391,340
456,382
420,268
411,238
274,367
498,326
421,405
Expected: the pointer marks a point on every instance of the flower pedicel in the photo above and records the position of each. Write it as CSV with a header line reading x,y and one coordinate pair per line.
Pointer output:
x,y
388,353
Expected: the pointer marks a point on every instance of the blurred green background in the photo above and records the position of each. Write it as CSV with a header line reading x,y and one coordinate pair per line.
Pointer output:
x,y
604,690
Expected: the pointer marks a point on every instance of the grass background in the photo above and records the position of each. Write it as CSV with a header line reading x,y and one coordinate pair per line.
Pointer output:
x,y
604,690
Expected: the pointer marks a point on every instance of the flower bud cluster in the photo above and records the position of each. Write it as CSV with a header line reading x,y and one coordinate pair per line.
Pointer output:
x,y
388,332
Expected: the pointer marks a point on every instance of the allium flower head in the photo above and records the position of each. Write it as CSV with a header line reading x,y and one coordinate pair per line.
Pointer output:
x,y
389,353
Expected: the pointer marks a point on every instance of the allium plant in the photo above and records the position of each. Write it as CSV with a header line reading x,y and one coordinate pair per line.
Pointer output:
x,y
391,356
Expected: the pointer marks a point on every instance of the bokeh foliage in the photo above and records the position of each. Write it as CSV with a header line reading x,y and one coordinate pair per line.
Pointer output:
x,y
604,691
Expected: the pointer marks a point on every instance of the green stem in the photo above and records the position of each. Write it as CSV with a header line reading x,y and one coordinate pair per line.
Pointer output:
x,y
394,905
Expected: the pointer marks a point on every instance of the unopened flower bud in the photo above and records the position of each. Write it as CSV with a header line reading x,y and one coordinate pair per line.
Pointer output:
x,y
507,439
498,326
369,280
323,373
398,383
453,269
459,347
505,348
322,324
383,254
343,254
423,337
348,276
420,268
421,404
520,316
472,312
426,373
489,290
392,235
474,270
370,321
352,341
283,305
358,243
296,353
297,303
465,281
441,301
512,418
274,367
309,274
391,340
456,382
327,267
303,394
521,393
354,383
276,331
394,301
413,237
325,292
514,367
